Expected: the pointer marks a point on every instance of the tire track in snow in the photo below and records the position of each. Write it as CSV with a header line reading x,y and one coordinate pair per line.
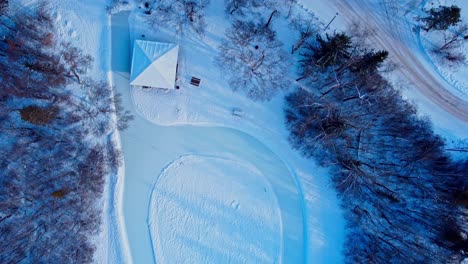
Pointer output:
x,y
390,36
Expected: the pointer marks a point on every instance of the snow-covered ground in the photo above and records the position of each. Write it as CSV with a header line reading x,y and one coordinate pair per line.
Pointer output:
x,y
193,121
306,221
150,154
213,210
456,74
212,103
224,178
86,25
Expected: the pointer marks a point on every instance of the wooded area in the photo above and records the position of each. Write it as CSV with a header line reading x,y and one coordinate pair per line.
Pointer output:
x,y
403,196
55,143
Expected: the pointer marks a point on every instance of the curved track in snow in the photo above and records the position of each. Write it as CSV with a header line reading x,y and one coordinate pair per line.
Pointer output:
x,y
310,220
149,149
393,33
214,210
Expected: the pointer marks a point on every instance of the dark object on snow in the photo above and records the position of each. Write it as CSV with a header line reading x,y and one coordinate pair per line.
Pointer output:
x,y
40,116
195,81
59,193
237,112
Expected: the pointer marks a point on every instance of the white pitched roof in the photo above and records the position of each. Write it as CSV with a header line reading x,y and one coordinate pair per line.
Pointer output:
x,y
154,64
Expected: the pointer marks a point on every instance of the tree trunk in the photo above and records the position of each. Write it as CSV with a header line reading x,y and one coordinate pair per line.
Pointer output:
x,y
271,17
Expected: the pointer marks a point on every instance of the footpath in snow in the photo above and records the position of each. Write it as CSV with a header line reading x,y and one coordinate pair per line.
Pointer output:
x,y
199,181
155,168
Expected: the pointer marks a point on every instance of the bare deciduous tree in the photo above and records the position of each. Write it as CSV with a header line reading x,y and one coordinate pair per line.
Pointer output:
x,y
304,23
54,146
451,47
180,15
77,62
3,6
254,60
257,8
401,192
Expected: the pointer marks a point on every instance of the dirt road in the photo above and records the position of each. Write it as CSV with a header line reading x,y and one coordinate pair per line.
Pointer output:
x,y
393,34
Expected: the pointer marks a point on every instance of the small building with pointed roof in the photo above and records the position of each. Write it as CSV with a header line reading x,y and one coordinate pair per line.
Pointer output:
x,y
154,64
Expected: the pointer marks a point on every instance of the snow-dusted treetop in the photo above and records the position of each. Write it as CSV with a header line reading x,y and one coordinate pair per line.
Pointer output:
x,y
154,64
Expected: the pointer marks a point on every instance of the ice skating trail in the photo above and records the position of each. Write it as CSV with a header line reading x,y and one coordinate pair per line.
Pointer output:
x,y
214,210
221,195
259,180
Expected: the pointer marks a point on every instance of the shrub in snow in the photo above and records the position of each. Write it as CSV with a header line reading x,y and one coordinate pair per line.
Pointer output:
x,y
254,60
38,115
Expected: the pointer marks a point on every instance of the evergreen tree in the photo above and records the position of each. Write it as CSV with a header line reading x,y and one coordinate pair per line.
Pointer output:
x,y
332,51
403,197
369,62
323,53
442,17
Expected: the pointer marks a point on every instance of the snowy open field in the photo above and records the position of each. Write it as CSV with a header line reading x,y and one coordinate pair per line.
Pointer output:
x,y
212,103
203,186
213,210
301,218
153,155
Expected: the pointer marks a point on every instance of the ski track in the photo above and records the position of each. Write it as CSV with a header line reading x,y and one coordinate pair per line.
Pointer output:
x,y
392,38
